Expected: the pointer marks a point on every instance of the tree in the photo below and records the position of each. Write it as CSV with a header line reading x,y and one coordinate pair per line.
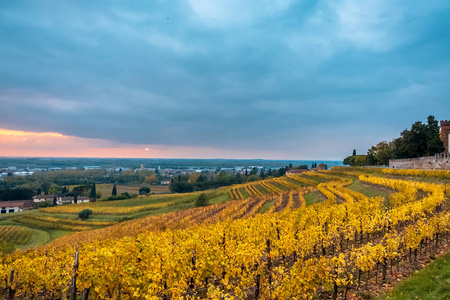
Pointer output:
x,y
54,201
84,214
434,142
144,190
357,160
420,140
281,171
262,174
354,152
45,186
202,178
349,161
75,199
93,194
253,178
381,153
202,200
39,192
151,179
114,190
238,178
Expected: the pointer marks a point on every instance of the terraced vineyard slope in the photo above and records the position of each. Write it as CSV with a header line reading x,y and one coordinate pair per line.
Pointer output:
x,y
342,247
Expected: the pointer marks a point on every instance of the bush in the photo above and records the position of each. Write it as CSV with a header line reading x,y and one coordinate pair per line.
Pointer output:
x,y
202,200
84,214
253,178
42,204
144,191
122,196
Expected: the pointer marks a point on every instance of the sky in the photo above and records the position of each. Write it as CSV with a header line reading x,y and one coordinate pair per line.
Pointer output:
x,y
274,79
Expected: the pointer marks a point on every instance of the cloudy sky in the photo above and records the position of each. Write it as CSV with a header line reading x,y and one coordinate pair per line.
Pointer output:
x,y
274,79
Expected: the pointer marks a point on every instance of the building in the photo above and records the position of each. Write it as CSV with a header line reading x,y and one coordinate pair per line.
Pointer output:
x,y
15,206
296,171
445,135
70,200
91,167
23,173
42,198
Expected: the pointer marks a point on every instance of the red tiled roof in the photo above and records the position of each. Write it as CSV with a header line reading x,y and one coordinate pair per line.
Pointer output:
x,y
20,203
296,171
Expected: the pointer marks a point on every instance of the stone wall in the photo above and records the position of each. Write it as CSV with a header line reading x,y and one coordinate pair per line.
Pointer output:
x,y
436,162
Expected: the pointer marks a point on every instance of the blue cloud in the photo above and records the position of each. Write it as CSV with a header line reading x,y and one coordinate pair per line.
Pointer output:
x,y
309,78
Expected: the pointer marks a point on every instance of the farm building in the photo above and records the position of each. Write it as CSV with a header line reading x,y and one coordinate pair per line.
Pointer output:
x,y
42,198
70,200
296,171
15,206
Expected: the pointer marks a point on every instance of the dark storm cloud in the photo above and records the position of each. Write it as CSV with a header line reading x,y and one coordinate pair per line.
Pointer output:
x,y
310,78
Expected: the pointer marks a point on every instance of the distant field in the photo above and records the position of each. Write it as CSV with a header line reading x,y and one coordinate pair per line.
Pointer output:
x,y
106,189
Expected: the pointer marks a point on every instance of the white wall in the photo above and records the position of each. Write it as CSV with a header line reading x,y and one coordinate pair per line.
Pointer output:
x,y
6,209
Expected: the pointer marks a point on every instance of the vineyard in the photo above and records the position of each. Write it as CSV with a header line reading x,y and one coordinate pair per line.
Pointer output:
x,y
57,223
348,244
13,236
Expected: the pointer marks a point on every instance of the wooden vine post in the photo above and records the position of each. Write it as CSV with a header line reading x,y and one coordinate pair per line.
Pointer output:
x,y
269,262
11,290
73,295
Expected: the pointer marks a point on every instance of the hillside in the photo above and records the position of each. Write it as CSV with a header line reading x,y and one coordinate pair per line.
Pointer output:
x,y
343,233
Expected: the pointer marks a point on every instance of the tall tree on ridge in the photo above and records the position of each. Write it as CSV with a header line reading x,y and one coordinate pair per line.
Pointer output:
x,y
93,194
114,190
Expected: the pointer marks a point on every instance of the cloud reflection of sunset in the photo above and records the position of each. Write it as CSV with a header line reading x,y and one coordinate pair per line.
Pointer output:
x,y
54,144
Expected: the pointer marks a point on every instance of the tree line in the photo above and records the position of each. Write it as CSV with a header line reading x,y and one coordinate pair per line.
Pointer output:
x,y
205,181
421,140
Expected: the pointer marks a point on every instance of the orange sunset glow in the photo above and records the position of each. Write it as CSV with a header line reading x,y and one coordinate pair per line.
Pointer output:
x,y
53,144
28,143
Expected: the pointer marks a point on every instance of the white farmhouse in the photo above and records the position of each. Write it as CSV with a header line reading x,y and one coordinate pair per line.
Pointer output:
x,y
15,206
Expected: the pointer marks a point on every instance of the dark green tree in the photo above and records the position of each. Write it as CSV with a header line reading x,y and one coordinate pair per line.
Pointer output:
x,y
54,201
45,186
262,174
349,161
253,178
114,190
202,200
238,178
38,192
434,142
93,194
202,178
144,190
75,199
381,153
354,152
84,214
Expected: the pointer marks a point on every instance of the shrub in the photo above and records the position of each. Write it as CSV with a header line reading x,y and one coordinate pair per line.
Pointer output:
x,y
84,214
144,191
202,200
